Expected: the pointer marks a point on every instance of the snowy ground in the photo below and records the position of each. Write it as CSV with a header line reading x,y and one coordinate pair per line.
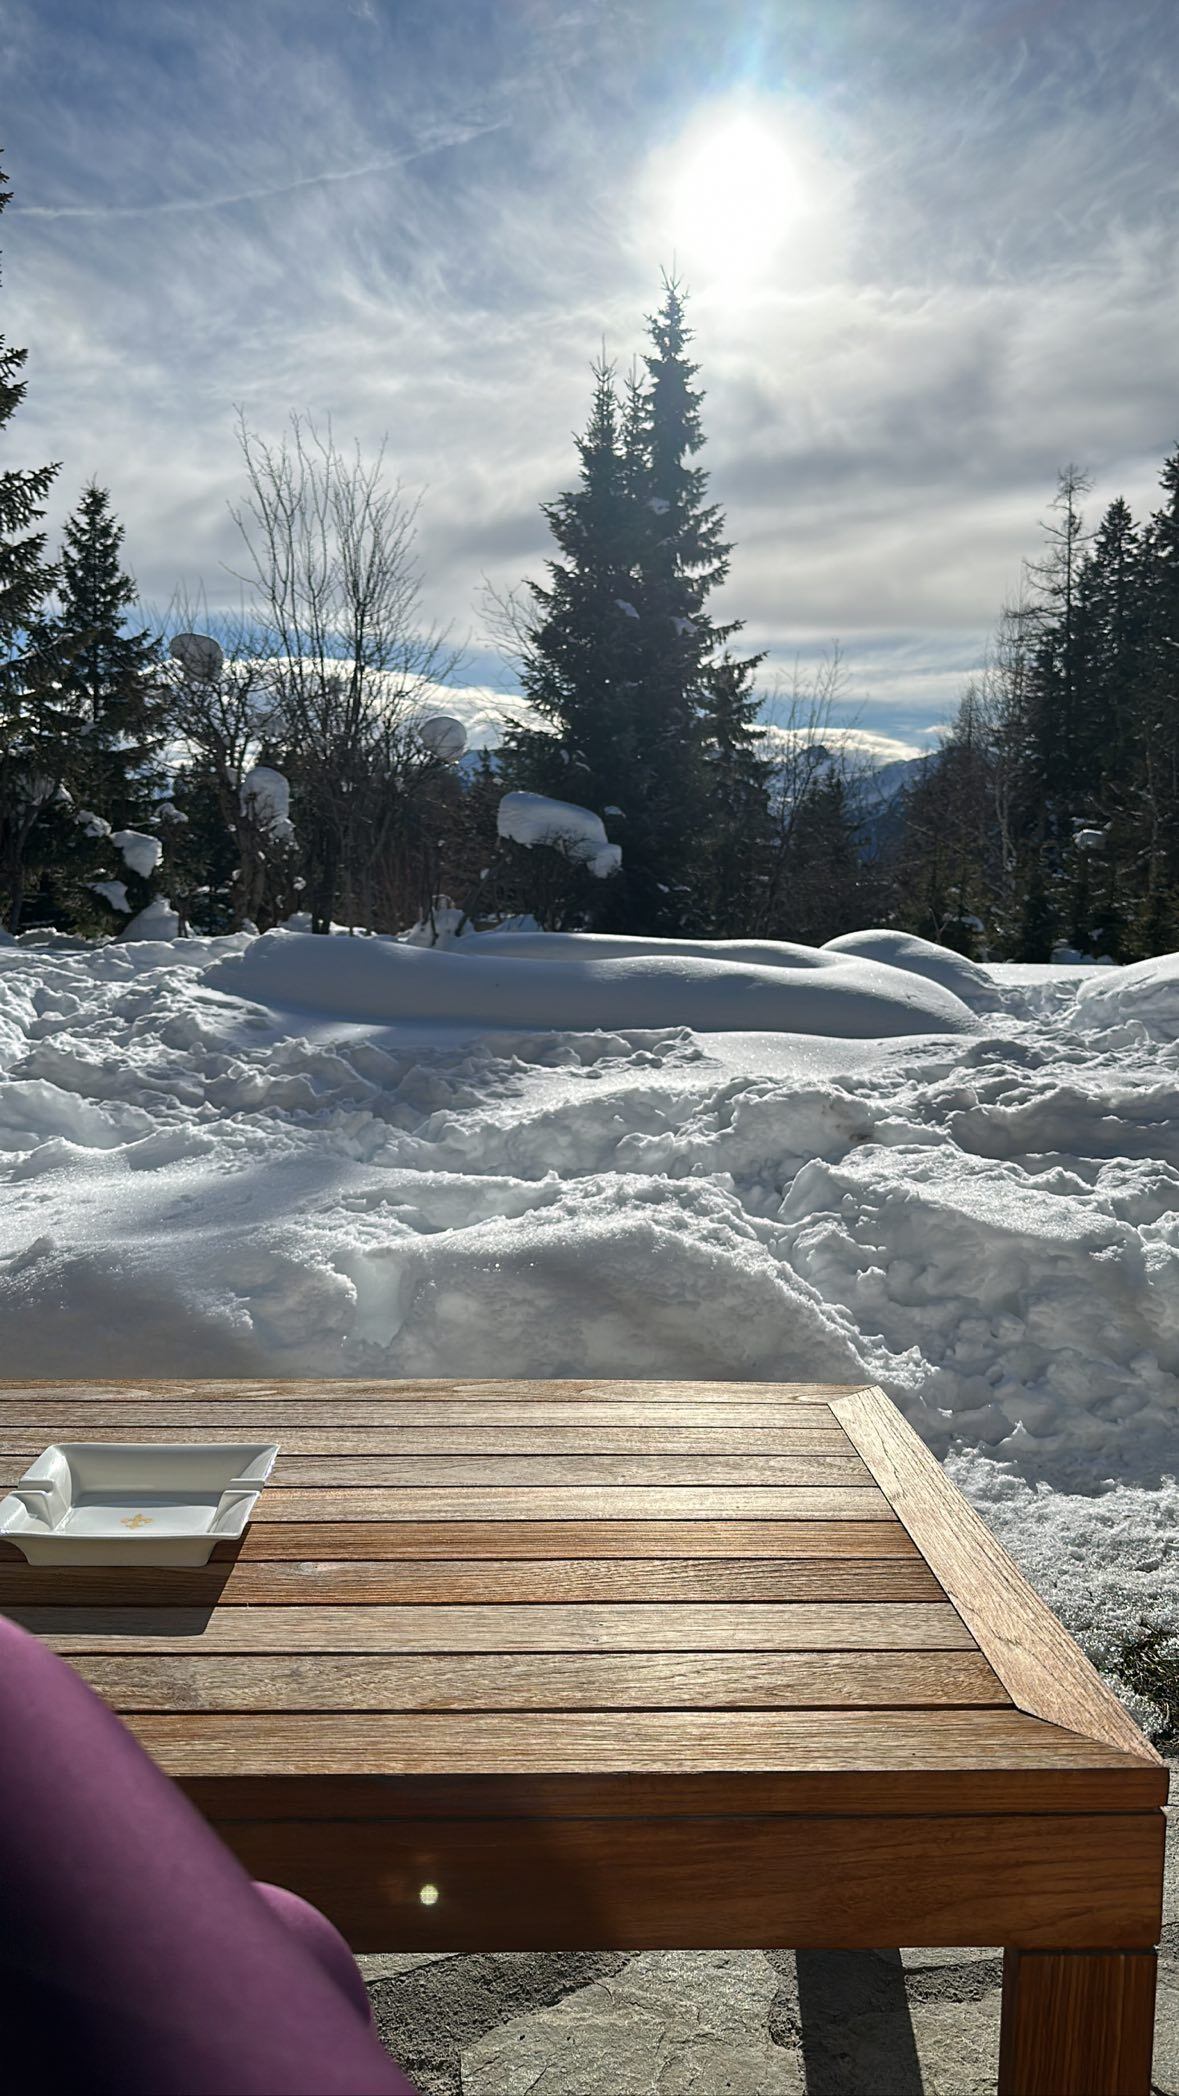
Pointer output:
x,y
963,1185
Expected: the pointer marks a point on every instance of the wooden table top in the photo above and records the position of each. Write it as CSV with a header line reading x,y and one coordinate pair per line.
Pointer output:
x,y
578,1597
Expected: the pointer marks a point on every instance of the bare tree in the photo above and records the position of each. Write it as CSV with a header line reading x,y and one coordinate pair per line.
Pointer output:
x,y
799,732
223,722
332,569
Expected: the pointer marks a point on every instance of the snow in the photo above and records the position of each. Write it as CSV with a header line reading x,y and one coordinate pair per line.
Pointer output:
x,y
139,851
93,825
967,979
157,920
288,1156
625,606
379,979
114,892
266,795
532,818
1146,992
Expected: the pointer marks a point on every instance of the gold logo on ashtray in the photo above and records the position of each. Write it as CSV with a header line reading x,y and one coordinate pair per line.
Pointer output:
x,y
136,1521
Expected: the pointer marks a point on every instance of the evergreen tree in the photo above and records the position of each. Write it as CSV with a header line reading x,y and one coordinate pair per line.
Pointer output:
x,y
24,576
683,557
32,748
622,656
737,784
1055,685
202,859
827,887
580,669
1112,605
110,677
1039,925
1159,712
946,865
111,698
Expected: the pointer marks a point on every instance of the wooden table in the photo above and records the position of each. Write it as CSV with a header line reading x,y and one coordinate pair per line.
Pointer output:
x,y
552,1665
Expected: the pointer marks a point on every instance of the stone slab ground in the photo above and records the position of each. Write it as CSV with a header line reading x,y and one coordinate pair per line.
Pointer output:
x,y
719,2023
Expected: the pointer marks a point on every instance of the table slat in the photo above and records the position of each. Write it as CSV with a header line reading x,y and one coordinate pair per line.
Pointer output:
x,y
549,1681
434,1391
269,1583
52,1418
360,1505
573,1539
580,1627
792,1439
863,1743
494,1472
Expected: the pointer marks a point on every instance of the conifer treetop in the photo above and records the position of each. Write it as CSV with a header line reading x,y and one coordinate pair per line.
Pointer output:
x,y
24,576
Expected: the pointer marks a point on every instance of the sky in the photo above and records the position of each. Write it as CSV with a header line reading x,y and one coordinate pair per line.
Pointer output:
x,y
930,255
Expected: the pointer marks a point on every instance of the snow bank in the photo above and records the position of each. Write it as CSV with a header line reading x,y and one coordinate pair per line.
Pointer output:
x,y
383,979
157,920
532,818
530,944
967,979
1146,992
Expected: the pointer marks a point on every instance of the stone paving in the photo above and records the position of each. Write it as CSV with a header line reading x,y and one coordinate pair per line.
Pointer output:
x,y
718,2023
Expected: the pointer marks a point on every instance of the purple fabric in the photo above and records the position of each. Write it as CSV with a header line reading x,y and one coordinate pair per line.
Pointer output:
x,y
136,1956
324,1941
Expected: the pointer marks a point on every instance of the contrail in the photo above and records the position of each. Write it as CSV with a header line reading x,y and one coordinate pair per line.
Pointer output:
x,y
178,205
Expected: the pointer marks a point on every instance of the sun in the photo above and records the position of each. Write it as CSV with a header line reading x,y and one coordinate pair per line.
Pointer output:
x,y
736,194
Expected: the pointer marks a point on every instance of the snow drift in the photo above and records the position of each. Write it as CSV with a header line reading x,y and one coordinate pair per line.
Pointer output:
x,y
966,979
382,979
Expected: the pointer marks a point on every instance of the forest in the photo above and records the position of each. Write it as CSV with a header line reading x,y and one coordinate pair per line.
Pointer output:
x,y
155,787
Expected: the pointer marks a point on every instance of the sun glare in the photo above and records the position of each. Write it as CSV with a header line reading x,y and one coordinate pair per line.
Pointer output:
x,y
738,191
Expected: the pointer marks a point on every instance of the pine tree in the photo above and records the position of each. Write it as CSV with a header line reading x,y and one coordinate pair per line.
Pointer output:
x,y
202,855
622,655
579,674
683,557
828,888
32,749
110,677
1112,605
24,576
1055,688
1039,921
1159,715
110,693
737,782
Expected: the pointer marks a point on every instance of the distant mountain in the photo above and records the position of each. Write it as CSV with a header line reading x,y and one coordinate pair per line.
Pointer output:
x,y
878,789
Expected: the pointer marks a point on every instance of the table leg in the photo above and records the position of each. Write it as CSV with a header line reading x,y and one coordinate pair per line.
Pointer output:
x,y
1077,2023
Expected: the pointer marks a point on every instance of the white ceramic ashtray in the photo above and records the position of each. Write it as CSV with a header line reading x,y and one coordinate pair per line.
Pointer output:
x,y
134,1503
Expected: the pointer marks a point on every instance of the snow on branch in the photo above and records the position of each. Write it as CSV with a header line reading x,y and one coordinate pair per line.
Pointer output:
x,y
139,851
579,834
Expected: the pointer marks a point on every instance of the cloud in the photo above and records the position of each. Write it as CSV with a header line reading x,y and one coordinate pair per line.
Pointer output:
x,y
423,220
484,713
159,207
859,744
